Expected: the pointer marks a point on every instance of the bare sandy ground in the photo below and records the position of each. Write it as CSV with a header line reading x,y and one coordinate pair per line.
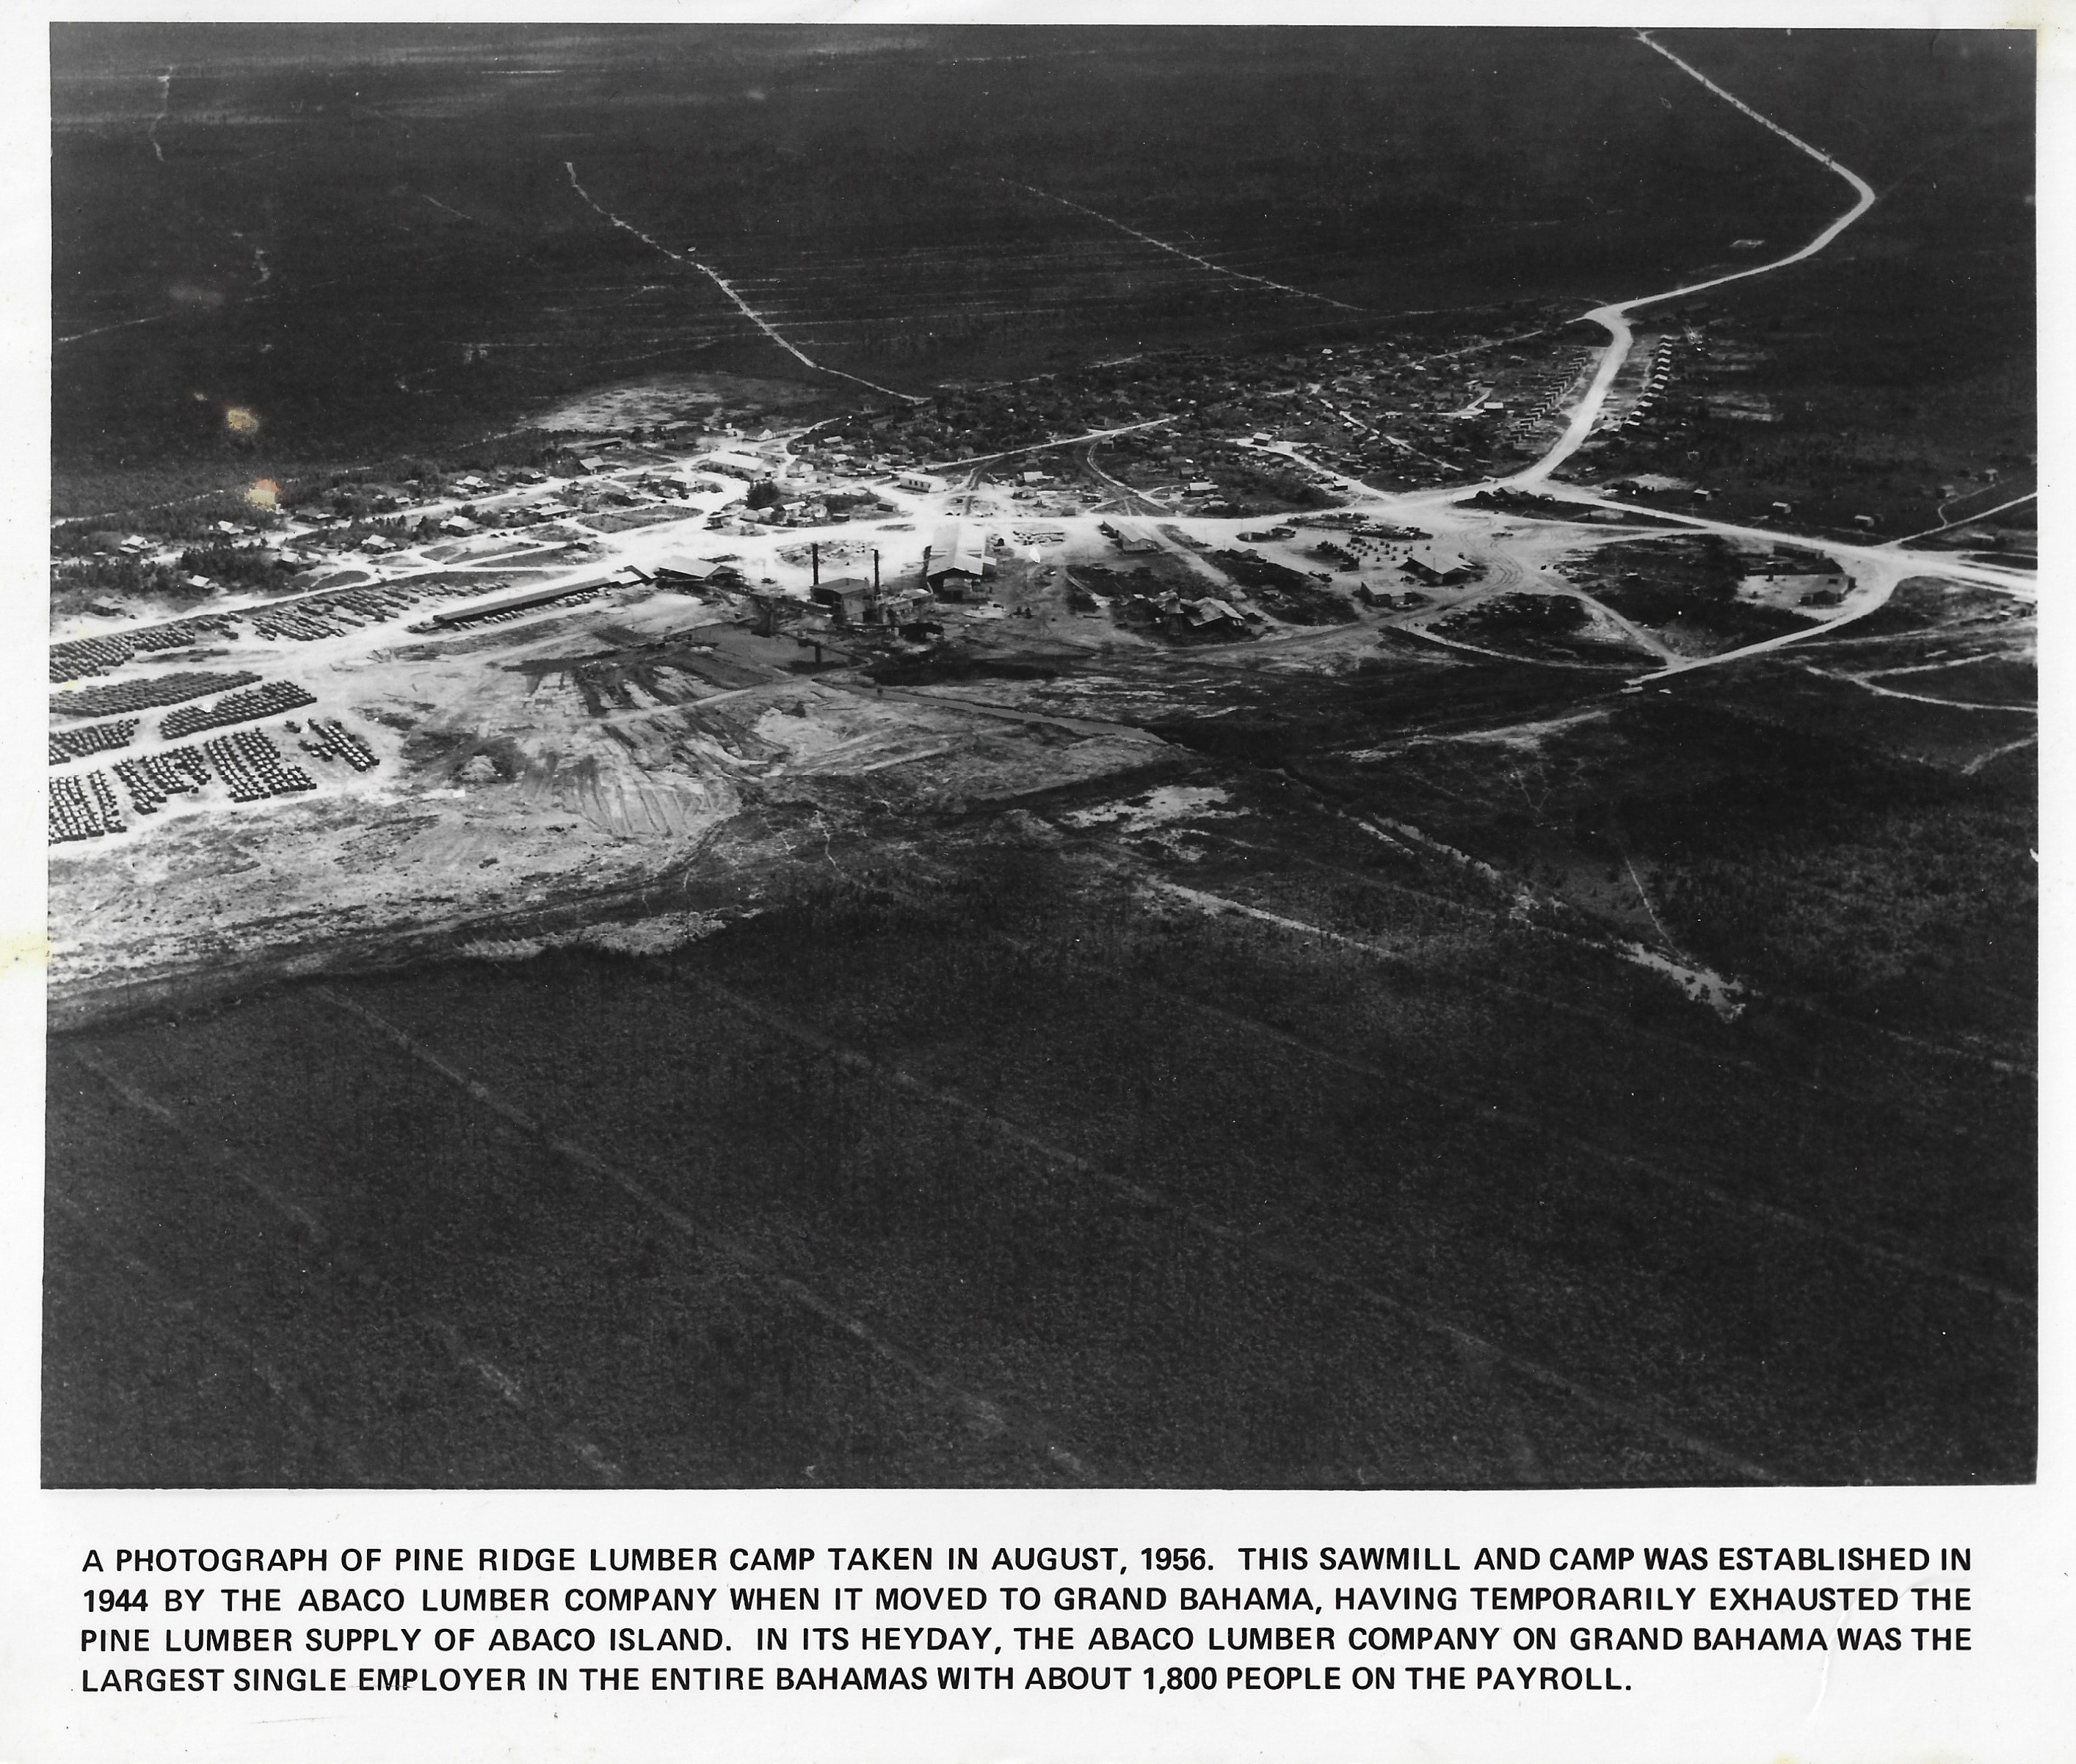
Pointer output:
x,y
674,397
523,769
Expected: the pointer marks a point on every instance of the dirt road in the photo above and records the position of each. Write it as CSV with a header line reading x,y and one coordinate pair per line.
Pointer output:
x,y
1176,250
1614,317
1046,446
727,288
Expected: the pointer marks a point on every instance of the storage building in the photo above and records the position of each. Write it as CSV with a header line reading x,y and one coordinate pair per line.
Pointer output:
x,y
957,556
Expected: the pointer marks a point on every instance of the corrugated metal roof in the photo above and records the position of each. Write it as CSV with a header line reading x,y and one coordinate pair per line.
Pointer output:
x,y
692,568
953,547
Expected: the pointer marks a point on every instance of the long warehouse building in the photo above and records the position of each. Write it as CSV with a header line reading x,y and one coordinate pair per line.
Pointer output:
x,y
518,603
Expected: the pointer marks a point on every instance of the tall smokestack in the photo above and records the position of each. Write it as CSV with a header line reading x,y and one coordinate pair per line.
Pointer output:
x,y
875,569
815,561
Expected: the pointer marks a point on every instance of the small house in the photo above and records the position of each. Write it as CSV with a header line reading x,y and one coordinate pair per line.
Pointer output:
x,y
1435,566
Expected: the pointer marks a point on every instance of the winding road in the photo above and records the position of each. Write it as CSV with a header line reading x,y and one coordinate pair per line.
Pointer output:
x,y
1614,318
1877,568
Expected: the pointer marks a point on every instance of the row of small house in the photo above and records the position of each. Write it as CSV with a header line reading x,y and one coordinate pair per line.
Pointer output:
x,y
1657,375
1548,389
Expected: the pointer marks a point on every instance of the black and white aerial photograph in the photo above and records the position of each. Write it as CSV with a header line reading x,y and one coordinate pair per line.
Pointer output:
x,y
1010,756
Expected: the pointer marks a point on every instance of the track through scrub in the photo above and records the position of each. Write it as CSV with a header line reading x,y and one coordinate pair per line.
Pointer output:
x,y
1974,1055
1176,250
165,107
1782,1216
1867,683
1981,760
986,1416
727,288
1969,520
1464,1340
1526,995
